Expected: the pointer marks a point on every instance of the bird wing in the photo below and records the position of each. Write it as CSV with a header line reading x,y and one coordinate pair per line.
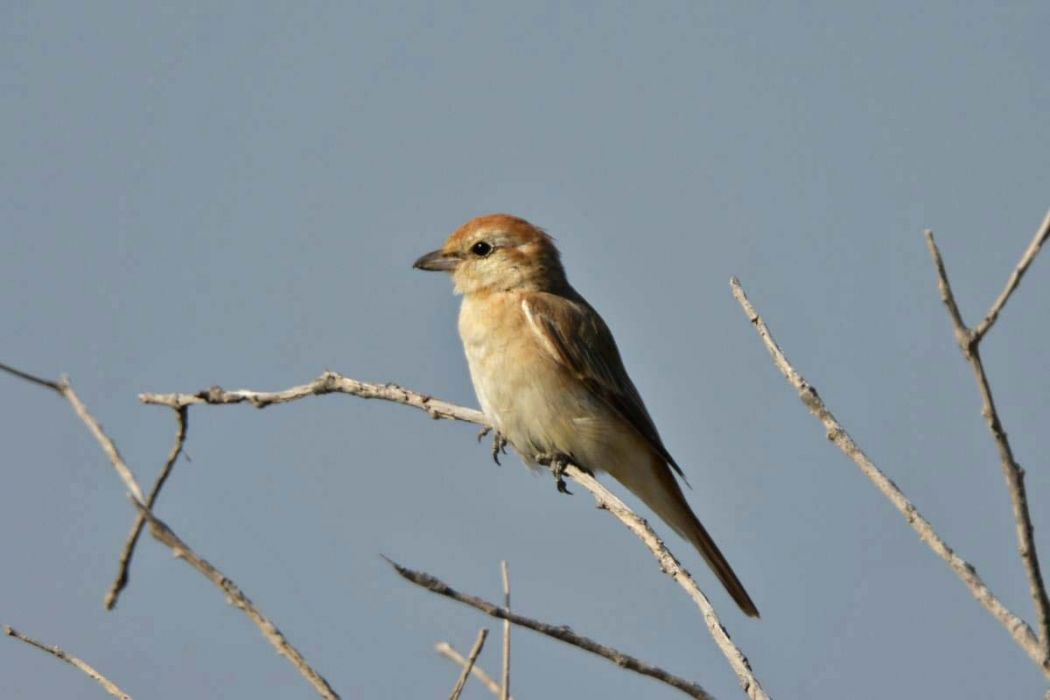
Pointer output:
x,y
575,336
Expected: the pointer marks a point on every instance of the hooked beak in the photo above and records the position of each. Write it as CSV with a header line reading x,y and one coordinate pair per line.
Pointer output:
x,y
437,261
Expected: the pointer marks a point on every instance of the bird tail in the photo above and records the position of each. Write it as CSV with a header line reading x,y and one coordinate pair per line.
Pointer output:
x,y
659,490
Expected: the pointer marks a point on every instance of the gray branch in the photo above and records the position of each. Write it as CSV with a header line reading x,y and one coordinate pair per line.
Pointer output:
x,y
969,344
164,534
109,686
1017,628
560,632
330,382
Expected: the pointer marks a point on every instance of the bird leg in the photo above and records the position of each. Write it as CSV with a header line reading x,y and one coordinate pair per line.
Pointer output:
x,y
557,464
499,443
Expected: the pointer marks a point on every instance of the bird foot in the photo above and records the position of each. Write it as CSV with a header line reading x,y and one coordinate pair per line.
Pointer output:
x,y
499,443
557,464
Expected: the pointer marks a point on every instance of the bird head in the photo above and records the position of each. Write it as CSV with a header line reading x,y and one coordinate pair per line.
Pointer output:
x,y
497,252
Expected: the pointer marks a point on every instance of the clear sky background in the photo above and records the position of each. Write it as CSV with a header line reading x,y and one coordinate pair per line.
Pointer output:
x,y
234,194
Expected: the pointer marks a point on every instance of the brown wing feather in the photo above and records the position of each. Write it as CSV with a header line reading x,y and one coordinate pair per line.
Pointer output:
x,y
576,336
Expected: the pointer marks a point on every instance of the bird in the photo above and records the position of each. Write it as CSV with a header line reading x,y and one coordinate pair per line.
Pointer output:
x,y
549,376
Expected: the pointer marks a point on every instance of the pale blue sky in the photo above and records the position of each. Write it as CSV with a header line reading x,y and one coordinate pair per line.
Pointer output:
x,y
235,194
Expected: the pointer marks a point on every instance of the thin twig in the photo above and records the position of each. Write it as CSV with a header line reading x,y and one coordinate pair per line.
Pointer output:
x,y
560,632
109,686
475,651
54,386
1017,627
104,441
121,581
445,649
327,383
235,597
505,692
1041,236
65,389
330,382
164,534
963,336
969,344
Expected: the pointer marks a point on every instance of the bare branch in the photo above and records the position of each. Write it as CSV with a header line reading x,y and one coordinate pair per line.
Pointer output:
x,y
1030,252
1017,628
327,383
330,382
128,551
64,388
109,686
164,534
670,566
475,652
445,649
505,692
560,632
54,386
1012,471
963,336
235,597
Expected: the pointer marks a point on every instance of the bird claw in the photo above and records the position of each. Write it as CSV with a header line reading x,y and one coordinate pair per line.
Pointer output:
x,y
499,443
557,464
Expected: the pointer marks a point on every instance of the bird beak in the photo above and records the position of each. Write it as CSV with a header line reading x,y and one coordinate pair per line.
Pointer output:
x,y
438,261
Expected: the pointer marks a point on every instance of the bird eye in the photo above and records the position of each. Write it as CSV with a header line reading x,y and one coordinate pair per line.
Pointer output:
x,y
481,249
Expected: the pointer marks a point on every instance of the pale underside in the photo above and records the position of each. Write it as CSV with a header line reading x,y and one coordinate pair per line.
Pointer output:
x,y
533,400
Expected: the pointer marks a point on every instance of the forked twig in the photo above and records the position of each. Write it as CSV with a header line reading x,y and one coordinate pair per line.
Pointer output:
x,y
1017,627
164,534
969,344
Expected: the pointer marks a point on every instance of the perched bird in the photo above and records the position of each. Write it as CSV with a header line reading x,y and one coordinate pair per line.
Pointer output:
x,y
549,376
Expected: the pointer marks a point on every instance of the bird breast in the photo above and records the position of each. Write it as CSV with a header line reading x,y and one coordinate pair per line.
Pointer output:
x,y
531,399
